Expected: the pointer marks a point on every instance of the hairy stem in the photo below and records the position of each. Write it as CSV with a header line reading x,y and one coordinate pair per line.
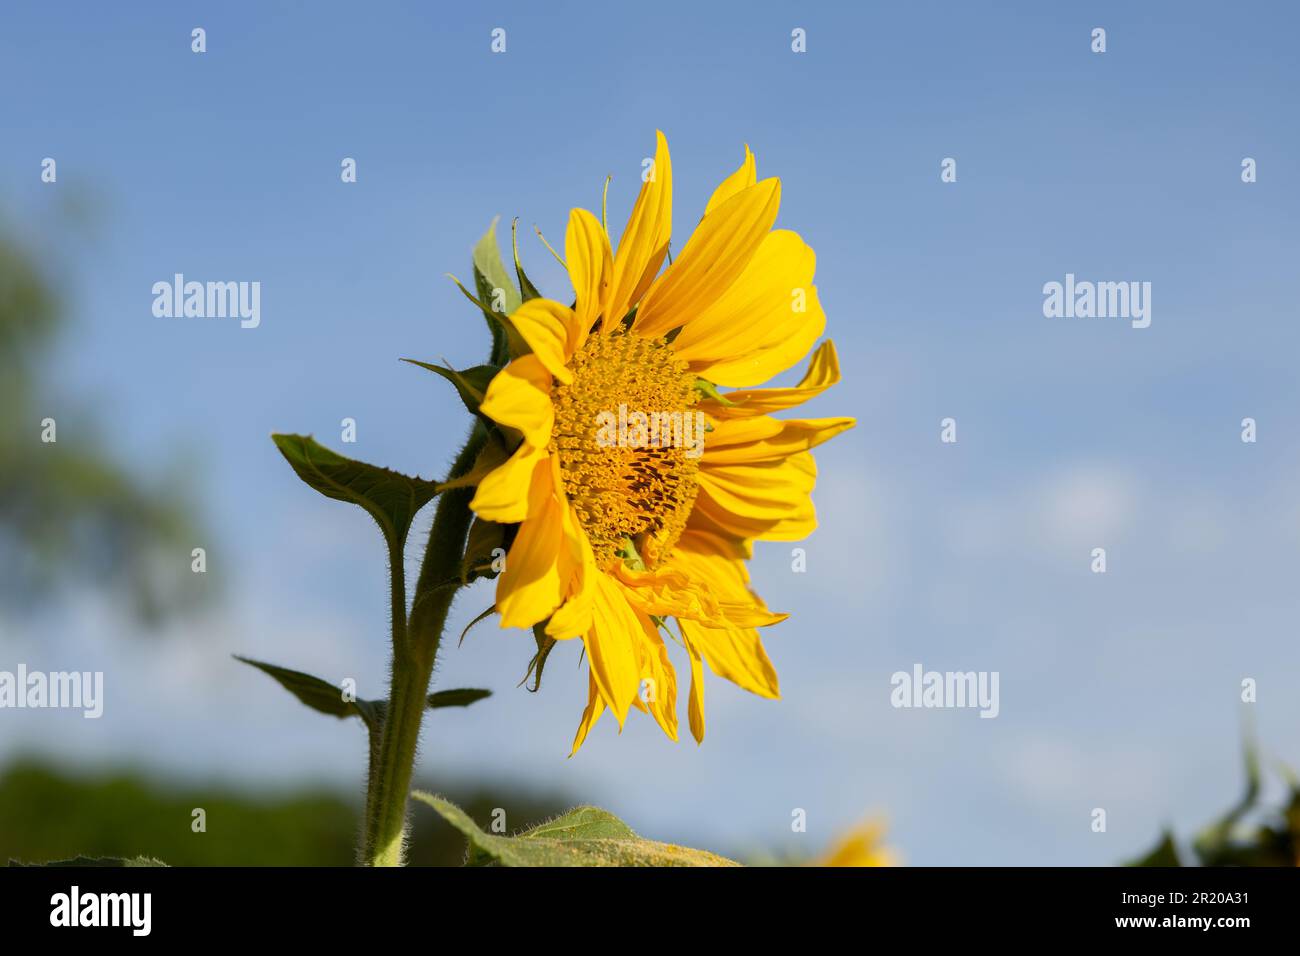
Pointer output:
x,y
415,650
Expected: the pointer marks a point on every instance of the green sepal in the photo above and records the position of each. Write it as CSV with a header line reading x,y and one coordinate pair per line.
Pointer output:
x,y
526,287
484,540
710,391
490,274
545,644
471,384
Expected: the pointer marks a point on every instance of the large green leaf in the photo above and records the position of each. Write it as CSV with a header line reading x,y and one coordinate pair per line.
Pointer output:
x,y
391,498
587,836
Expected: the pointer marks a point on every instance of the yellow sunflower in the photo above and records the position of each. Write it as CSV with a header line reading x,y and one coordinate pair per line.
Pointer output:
x,y
617,537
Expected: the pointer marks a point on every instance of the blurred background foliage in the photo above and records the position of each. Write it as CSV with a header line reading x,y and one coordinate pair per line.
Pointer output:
x,y
48,814
1250,833
71,511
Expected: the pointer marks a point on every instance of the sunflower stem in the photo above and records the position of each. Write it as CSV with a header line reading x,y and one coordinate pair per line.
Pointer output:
x,y
416,638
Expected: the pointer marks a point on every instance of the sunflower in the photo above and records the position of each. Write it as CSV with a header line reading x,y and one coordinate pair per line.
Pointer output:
x,y
616,539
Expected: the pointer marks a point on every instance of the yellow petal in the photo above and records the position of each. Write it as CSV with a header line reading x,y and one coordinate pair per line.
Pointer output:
x,y
713,259
595,707
764,323
742,178
695,711
574,616
531,586
644,243
735,654
519,396
769,500
657,692
611,647
549,329
823,372
503,495
586,248
742,441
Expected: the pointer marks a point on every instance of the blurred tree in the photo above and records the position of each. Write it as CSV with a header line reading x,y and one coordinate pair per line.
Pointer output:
x,y
70,511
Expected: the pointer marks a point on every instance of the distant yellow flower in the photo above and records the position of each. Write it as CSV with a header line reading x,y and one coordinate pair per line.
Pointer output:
x,y
860,846
621,528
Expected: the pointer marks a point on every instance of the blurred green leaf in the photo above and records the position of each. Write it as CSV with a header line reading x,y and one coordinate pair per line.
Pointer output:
x,y
1164,853
586,836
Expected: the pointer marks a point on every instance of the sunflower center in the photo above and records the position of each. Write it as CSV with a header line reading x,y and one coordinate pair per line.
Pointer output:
x,y
629,440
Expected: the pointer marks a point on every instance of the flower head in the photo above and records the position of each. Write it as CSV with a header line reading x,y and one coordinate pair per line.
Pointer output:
x,y
637,486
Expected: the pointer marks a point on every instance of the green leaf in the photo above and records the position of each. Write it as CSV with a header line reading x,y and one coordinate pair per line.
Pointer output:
x,y
529,290
587,836
461,697
1164,853
471,383
82,861
317,694
392,499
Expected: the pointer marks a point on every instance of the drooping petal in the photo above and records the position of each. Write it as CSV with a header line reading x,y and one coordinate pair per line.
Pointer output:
x,y
741,179
549,329
713,259
823,372
735,654
595,707
519,396
611,647
586,250
644,243
695,711
657,692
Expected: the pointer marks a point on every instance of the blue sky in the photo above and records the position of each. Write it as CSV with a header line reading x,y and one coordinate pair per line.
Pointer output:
x,y
1117,691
